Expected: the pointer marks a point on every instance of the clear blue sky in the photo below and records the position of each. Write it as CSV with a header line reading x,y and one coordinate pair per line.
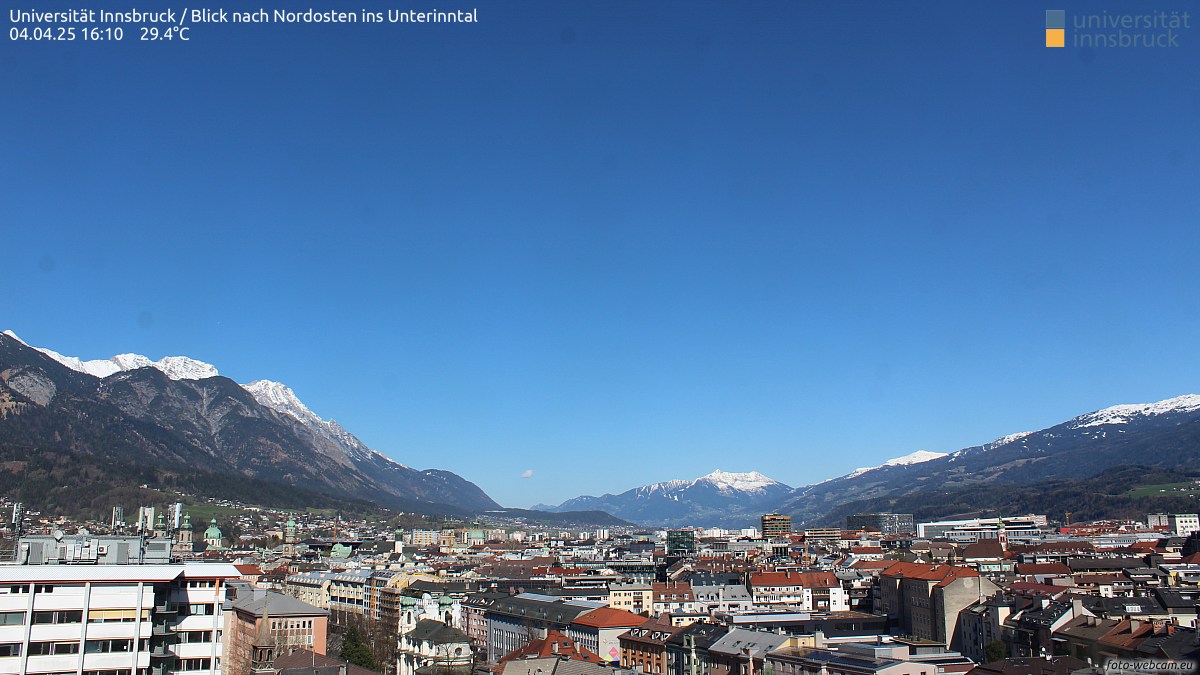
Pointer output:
x,y
622,242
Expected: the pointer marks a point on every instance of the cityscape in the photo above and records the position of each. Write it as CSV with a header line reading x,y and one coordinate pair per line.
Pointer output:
x,y
599,337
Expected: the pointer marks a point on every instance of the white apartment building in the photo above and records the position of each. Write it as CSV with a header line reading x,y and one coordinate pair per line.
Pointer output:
x,y
112,619
1180,524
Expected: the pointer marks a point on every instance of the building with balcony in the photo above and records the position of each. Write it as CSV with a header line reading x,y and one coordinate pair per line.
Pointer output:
x,y
100,619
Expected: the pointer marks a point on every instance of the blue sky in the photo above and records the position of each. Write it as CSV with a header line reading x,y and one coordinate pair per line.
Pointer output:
x,y
623,242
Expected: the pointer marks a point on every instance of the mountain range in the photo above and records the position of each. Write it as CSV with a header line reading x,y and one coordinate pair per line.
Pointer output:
x,y
720,497
1159,438
73,427
75,431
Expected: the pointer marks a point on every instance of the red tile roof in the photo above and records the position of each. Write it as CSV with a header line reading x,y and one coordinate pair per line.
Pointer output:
x,y
608,617
942,574
554,644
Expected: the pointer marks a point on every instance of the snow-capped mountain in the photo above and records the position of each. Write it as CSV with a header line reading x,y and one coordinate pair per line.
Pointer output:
x,y
721,497
274,395
175,367
911,458
280,397
1124,414
1162,435
178,415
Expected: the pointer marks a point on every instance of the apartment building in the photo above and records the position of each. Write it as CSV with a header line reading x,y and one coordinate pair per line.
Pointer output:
x,y
110,619
808,591
262,624
631,597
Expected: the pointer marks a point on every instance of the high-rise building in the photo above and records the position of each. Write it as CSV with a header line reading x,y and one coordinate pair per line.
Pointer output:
x,y
776,525
884,523
137,619
681,542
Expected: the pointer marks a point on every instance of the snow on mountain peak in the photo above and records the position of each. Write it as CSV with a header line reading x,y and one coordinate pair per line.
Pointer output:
x,y
1121,414
174,367
184,368
280,397
752,481
918,457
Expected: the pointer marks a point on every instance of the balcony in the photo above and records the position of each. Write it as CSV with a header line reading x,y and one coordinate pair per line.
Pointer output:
x,y
162,653
166,608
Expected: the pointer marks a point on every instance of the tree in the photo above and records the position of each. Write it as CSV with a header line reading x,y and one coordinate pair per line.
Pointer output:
x,y
356,650
995,650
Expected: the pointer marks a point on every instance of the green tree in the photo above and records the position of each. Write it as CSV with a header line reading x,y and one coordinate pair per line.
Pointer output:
x,y
356,650
995,650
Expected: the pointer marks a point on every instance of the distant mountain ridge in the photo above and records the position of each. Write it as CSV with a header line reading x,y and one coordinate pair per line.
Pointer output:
x,y
1163,436
720,497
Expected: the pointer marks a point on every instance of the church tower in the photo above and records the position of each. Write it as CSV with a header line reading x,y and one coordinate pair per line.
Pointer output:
x,y
184,536
289,537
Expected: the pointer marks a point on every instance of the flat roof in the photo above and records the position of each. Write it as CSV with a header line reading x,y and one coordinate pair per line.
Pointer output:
x,y
13,573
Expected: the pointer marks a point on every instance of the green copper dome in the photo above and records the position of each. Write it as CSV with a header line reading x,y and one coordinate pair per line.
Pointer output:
x,y
213,532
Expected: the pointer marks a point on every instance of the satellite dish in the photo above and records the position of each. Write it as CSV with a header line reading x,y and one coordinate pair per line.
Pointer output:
x,y
58,535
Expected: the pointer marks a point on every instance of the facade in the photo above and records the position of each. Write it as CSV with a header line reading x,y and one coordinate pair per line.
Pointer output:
x,y
967,531
775,525
884,523
600,630
101,619
261,625
687,650
924,600
644,648
1178,524
632,597
808,591
434,648
514,622
681,542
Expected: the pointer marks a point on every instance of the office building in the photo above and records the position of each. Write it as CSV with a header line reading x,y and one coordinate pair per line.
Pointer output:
x,y
775,525
884,523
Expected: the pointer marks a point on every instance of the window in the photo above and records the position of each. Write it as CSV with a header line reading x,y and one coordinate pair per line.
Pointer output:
x,y
108,646
12,618
43,588
188,637
195,664
50,648
23,588
60,616
200,609
112,615
10,648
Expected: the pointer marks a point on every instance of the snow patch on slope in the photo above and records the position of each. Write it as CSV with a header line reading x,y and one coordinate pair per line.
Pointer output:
x,y
1122,414
917,457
